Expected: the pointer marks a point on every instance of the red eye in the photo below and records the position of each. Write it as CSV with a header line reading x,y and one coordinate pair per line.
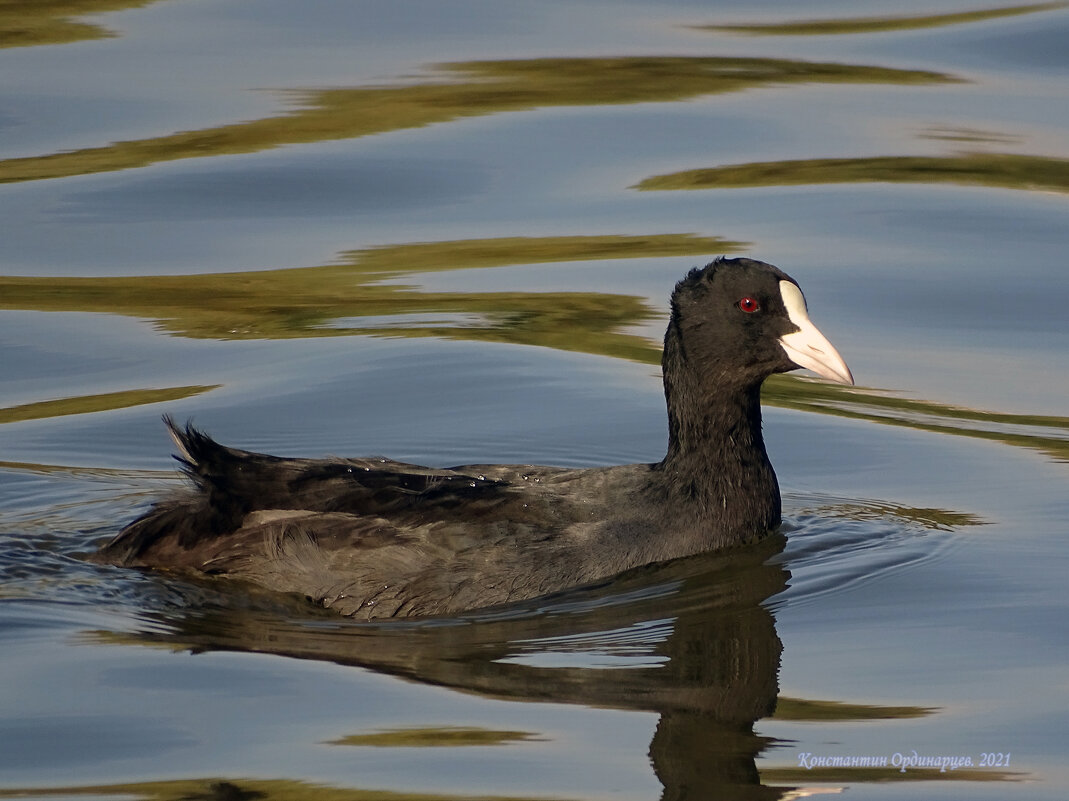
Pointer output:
x,y
749,305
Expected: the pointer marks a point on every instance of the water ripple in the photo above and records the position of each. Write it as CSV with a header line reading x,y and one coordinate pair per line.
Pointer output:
x,y
835,544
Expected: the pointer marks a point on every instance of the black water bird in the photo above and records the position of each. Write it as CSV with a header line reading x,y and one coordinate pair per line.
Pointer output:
x,y
374,538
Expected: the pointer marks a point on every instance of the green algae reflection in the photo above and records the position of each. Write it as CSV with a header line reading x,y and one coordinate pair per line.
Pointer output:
x,y
436,737
106,401
1048,435
810,710
459,90
352,296
27,23
853,25
1001,170
216,789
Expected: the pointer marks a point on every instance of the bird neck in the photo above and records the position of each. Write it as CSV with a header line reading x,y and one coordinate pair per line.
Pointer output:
x,y
716,462
709,429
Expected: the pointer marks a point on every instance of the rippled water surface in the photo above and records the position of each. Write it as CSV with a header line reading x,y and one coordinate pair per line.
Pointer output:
x,y
446,232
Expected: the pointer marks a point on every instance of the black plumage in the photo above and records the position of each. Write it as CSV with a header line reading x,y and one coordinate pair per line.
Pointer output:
x,y
376,538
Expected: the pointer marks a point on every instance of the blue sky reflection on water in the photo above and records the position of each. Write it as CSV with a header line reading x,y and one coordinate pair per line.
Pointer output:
x,y
925,512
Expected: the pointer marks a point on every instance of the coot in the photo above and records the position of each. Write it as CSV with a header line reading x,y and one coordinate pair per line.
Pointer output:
x,y
374,538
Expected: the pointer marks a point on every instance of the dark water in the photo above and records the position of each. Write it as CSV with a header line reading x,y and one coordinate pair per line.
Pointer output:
x,y
446,232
